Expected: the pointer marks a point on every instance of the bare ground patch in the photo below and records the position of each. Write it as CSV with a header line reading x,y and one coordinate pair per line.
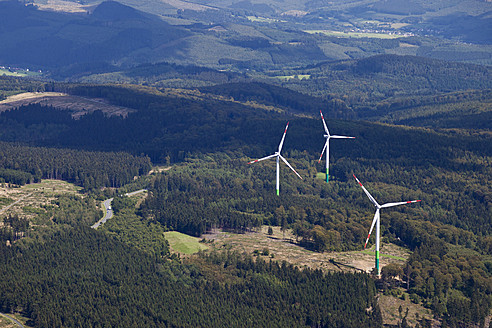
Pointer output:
x,y
79,106
390,311
282,246
30,200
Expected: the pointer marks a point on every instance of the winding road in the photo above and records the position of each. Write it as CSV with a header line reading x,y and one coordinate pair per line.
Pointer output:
x,y
109,211
107,216
13,319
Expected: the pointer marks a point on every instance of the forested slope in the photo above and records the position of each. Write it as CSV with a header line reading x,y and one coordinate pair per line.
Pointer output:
x,y
79,277
91,170
212,186
366,82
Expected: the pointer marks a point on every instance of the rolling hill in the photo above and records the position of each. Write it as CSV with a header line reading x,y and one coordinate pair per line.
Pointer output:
x,y
113,33
102,38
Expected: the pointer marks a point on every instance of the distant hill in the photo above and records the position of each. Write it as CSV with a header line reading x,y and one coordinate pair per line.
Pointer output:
x,y
115,11
75,39
389,88
113,33
370,80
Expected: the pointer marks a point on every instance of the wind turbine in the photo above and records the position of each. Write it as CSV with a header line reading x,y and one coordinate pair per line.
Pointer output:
x,y
328,136
376,220
278,156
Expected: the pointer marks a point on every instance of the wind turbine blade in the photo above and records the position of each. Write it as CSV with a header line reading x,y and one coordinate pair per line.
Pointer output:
x,y
324,124
323,151
341,137
262,159
285,161
283,137
399,203
367,193
376,217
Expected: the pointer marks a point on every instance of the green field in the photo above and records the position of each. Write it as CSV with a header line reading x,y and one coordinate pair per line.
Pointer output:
x,y
356,34
385,255
184,244
20,73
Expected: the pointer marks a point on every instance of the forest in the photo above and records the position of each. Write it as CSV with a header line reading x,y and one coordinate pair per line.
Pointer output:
x,y
79,277
90,170
208,143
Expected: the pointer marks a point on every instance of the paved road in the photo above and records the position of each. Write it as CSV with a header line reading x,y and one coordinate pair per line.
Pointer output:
x,y
135,192
109,211
109,214
13,319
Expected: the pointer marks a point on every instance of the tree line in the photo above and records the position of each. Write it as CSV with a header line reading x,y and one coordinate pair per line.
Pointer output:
x,y
91,170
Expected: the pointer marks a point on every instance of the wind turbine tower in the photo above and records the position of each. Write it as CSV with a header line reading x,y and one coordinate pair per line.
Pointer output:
x,y
376,220
328,136
278,158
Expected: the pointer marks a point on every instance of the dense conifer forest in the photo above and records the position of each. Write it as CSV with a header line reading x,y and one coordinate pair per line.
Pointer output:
x,y
78,277
91,170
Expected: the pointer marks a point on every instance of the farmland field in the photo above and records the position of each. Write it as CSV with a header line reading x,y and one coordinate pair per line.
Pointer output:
x,y
371,35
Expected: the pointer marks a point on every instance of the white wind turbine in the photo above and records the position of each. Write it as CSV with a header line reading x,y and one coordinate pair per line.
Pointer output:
x,y
278,156
376,220
328,136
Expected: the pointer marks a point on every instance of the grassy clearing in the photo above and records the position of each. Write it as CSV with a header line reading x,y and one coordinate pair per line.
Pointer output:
x,y
184,244
356,34
398,25
33,198
6,72
385,255
18,73
7,323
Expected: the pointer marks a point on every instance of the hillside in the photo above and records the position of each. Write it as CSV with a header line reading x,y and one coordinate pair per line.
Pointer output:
x,y
387,88
77,106
49,40
210,141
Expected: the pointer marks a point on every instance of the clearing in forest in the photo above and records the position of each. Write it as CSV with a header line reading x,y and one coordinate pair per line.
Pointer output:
x,y
32,199
79,106
184,244
282,246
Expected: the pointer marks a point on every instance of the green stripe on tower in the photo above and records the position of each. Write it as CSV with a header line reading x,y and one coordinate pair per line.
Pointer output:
x,y
377,263
327,175
278,192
